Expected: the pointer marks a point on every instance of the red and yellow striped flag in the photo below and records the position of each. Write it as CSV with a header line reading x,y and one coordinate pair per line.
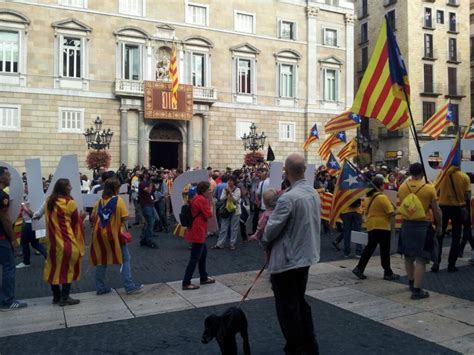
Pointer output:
x,y
174,78
326,203
333,139
349,150
469,134
439,121
381,92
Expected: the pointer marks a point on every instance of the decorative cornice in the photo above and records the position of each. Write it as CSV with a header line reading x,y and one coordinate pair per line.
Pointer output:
x,y
312,11
349,18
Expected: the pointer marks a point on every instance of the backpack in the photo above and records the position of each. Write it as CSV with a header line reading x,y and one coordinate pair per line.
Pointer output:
x,y
411,207
186,216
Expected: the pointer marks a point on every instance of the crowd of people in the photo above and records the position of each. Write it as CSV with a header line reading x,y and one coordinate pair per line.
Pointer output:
x,y
286,223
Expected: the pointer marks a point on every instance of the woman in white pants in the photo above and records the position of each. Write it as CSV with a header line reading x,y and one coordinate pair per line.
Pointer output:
x,y
230,225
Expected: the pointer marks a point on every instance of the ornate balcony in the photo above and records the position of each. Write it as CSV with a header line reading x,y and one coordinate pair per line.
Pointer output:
x,y
128,88
204,94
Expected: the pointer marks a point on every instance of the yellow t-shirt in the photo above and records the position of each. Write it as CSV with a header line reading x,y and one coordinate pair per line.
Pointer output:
x,y
462,184
425,194
379,213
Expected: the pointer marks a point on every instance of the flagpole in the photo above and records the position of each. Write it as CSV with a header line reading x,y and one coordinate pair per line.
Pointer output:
x,y
415,135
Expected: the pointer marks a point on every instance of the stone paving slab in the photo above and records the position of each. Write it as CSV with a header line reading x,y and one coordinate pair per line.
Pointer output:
x,y
155,299
462,312
435,301
380,288
96,309
464,344
207,295
430,326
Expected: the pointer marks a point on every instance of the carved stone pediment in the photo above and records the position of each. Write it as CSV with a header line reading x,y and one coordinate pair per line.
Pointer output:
x,y
71,24
245,48
12,16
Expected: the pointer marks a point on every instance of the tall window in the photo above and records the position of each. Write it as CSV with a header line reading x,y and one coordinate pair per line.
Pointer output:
x,y
198,73
131,62
287,29
71,57
364,32
452,22
242,127
392,20
73,3
197,14
330,37
332,2
452,49
472,48
365,11
428,77
9,52
287,80
71,120
428,20
132,7
244,22
9,118
452,81
244,76
428,45
440,17
428,110
365,58
287,131
330,84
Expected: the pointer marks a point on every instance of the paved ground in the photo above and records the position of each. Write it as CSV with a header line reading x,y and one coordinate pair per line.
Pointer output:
x,y
338,332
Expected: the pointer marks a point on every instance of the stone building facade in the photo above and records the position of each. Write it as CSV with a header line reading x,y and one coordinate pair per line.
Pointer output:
x,y
433,36
282,64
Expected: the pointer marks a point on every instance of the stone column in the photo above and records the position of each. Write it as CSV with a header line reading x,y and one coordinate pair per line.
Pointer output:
x,y
205,141
312,60
349,19
189,144
123,137
142,141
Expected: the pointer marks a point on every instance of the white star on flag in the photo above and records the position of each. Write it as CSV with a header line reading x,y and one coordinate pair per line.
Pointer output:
x,y
333,163
351,180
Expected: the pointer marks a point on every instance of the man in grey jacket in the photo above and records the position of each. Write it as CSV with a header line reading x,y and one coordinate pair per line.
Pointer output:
x,y
292,235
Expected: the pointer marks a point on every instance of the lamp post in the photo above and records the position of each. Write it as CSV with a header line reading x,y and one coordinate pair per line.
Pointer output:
x,y
252,141
97,139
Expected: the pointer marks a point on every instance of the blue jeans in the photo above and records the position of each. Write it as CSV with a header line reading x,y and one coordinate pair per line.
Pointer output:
x,y
147,231
28,237
351,221
160,207
7,260
125,272
198,256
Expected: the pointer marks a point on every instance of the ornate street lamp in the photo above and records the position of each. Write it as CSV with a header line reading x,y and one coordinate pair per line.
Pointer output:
x,y
253,141
96,139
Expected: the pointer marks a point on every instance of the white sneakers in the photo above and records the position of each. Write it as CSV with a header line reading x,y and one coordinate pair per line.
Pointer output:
x,y
22,265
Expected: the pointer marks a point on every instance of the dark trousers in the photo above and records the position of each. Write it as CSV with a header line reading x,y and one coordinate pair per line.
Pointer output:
x,y
294,313
351,221
255,216
61,293
28,237
467,231
198,256
377,237
7,260
452,213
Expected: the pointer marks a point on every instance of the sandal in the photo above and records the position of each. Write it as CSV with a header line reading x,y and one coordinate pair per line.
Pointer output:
x,y
209,280
190,287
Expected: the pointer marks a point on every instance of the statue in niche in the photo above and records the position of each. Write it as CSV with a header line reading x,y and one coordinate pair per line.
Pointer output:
x,y
163,59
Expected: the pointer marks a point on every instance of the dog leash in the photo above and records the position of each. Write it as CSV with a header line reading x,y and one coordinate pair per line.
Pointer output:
x,y
252,285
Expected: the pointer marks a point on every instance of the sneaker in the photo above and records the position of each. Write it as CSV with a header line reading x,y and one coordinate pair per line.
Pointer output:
x,y
13,306
152,245
69,301
22,265
359,273
391,277
216,247
103,292
419,295
232,247
435,268
56,299
452,269
136,289
347,255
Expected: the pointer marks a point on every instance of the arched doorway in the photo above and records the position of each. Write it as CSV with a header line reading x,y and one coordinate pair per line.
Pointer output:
x,y
166,146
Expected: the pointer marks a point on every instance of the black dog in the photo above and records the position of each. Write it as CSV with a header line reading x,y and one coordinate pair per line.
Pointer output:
x,y
224,328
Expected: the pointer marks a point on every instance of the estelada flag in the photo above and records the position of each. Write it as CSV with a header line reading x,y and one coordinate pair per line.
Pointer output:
x,y
381,93
350,186
453,160
469,134
313,137
331,141
349,150
332,165
342,122
326,203
65,243
439,121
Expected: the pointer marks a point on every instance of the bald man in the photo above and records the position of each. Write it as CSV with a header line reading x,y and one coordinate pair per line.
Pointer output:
x,y
292,236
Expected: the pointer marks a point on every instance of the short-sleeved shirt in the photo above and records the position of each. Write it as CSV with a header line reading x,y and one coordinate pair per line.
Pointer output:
x,y
454,197
379,212
145,198
4,204
425,194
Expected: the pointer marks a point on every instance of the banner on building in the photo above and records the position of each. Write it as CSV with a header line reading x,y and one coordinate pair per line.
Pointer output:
x,y
159,101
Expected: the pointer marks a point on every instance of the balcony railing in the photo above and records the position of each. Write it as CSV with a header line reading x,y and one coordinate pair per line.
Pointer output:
x,y
384,133
430,88
454,91
135,88
128,87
